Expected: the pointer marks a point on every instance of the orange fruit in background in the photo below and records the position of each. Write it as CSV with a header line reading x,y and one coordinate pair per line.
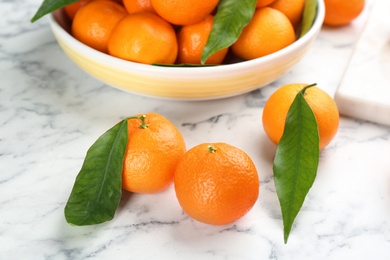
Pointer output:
x,y
153,150
93,23
135,6
268,31
191,41
263,3
216,183
144,37
293,9
323,106
338,13
184,12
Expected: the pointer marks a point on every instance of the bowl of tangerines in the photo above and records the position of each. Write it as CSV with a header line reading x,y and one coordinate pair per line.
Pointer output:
x,y
185,49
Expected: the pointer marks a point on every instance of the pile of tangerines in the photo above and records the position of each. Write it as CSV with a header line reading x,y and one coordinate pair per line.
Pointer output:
x,y
168,32
175,32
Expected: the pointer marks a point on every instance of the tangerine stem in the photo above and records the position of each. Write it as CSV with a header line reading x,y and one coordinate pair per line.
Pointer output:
x,y
212,149
306,87
143,124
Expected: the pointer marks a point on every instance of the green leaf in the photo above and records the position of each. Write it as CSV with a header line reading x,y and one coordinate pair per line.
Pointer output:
x,y
309,15
231,17
296,160
98,187
49,6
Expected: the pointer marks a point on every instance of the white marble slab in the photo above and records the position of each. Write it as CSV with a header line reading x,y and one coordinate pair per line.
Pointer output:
x,y
51,112
364,91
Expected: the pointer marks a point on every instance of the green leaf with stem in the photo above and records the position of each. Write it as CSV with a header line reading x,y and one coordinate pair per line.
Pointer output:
x,y
98,187
296,160
231,17
309,15
49,6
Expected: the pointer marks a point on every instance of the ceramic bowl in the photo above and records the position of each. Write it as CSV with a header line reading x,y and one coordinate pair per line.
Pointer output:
x,y
190,83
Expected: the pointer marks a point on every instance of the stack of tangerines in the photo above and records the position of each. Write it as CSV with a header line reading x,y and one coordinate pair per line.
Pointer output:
x,y
169,32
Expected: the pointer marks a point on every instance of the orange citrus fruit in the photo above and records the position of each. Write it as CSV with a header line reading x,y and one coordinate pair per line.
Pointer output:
x,y
263,3
323,106
268,31
135,6
184,12
154,148
93,23
216,183
293,9
144,37
191,41
338,13
72,9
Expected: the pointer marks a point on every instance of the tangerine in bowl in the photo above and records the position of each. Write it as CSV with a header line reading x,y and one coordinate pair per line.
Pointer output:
x,y
234,77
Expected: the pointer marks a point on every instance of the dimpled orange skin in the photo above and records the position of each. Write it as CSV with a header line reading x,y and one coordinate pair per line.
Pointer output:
x,y
145,38
191,41
268,31
323,106
184,12
339,13
216,188
94,22
152,154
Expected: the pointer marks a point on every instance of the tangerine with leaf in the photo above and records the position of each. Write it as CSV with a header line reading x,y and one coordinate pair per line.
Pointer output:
x,y
323,106
191,41
154,148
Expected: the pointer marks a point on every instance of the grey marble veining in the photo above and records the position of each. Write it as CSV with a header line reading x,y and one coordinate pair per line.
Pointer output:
x,y
51,112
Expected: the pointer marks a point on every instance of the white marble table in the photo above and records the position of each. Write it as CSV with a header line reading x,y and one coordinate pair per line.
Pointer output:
x,y
51,112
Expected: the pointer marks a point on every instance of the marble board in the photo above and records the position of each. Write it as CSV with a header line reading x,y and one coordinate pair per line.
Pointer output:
x,y
364,91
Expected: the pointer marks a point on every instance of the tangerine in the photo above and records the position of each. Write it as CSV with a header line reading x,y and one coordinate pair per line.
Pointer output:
x,y
216,183
192,40
94,22
153,150
135,6
293,9
184,12
144,37
323,106
72,9
338,13
268,31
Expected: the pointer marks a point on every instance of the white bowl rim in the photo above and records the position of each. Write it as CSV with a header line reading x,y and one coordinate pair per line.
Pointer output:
x,y
201,70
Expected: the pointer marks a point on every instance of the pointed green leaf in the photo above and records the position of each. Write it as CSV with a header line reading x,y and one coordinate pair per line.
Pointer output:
x,y
309,15
98,187
49,6
231,17
296,160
